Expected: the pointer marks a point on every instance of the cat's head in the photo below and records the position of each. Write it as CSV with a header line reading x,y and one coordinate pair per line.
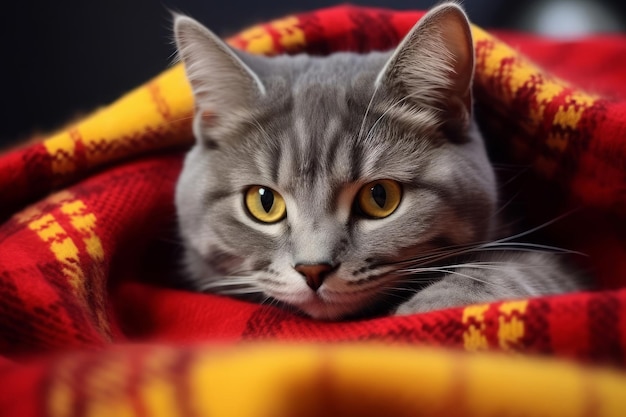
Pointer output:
x,y
314,179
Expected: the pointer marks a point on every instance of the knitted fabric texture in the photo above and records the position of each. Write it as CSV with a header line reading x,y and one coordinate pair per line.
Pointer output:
x,y
90,326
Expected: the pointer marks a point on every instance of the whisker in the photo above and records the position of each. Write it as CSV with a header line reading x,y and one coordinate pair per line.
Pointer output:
x,y
537,228
258,125
180,119
439,255
217,283
438,251
226,283
393,293
270,301
241,291
492,247
488,266
394,105
413,279
505,205
447,271
503,244
539,247
503,227
507,166
367,110
514,177
387,110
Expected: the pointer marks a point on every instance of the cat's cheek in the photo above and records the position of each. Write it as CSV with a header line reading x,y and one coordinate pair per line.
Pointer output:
x,y
272,231
234,229
409,226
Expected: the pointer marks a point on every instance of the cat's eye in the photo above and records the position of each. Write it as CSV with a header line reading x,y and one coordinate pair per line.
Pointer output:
x,y
378,199
265,204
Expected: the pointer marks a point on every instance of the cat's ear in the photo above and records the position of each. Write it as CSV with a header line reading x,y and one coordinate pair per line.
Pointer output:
x,y
223,85
433,66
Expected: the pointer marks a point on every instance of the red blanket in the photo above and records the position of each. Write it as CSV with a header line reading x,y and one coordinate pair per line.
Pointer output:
x,y
88,243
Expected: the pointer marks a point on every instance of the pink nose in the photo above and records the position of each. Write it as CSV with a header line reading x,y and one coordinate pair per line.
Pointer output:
x,y
314,274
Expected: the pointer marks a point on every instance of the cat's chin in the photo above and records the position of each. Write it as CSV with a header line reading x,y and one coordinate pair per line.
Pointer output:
x,y
319,309
333,305
324,311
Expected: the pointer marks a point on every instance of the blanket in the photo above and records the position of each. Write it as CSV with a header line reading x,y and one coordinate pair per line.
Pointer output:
x,y
91,323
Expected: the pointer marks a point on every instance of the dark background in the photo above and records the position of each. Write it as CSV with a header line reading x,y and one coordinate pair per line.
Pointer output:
x,y
63,59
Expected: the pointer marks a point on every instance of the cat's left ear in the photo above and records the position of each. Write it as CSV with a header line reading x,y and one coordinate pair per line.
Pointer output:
x,y
224,87
433,66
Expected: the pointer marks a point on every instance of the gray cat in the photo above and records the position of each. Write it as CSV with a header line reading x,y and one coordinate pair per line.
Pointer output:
x,y
347,185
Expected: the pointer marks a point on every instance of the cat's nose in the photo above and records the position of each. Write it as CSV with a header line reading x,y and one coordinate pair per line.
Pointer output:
x,y
315,274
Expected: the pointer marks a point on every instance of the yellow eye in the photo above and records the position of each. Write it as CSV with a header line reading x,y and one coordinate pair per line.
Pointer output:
x,y
379,199
265,204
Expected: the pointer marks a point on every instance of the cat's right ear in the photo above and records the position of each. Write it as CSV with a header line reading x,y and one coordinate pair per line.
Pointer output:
x,y
433,67
224,87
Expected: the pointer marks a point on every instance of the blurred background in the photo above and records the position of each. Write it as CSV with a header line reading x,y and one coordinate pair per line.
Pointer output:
x,y
63,59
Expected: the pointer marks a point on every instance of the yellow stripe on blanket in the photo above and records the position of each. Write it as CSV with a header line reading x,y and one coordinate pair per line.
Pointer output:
x,y
69,252
375,381
278,380
153,116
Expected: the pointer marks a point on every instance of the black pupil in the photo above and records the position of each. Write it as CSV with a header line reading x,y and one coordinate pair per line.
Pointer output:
x,y
267,199
379,195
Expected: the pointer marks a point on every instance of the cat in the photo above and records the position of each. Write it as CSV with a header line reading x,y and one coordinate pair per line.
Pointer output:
x,y
349,185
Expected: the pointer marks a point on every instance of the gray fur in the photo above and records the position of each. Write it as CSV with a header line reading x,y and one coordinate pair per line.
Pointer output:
x,y
316,130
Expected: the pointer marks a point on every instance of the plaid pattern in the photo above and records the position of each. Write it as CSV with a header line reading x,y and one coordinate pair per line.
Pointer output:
x,y
87,213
